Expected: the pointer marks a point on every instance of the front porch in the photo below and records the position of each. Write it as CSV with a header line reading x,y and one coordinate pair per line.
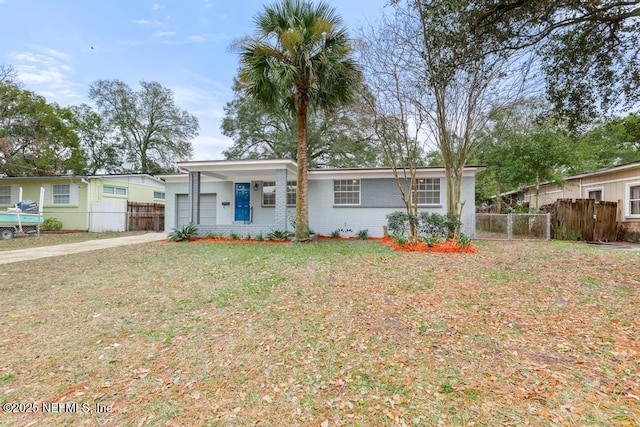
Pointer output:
x,y
243,197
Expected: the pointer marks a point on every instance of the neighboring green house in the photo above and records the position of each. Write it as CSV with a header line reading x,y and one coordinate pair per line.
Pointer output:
x,y
93,203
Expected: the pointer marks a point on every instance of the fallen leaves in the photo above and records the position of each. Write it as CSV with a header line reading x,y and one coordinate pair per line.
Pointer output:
x,y
351,333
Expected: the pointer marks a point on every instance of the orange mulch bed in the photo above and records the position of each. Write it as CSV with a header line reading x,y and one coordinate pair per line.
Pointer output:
x,y
450,246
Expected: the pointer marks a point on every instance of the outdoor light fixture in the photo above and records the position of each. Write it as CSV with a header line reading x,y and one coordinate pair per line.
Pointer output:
x,y
255,186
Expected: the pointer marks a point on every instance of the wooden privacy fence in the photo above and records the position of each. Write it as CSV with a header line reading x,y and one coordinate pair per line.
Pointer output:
x,y
584,219
145,216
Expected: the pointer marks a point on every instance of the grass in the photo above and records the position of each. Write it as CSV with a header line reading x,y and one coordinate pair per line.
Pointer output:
x,y
349,332
23,241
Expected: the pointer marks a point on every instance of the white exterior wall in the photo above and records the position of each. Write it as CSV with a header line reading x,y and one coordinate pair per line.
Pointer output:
x,y
324,217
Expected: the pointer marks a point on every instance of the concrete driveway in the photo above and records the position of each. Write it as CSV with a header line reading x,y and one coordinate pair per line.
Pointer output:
x,y
18,255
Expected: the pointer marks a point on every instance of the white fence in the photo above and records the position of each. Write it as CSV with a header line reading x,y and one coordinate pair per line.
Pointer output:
x,y
108,215
513,226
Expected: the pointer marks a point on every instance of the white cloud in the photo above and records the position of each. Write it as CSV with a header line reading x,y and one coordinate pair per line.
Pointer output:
x,y
155,6
195,39
47,72
141,22
164,34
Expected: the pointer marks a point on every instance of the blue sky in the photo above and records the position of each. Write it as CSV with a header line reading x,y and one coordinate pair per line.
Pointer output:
x,y
60,47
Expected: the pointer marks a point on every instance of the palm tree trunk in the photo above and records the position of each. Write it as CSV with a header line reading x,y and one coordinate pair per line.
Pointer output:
x,y
302,205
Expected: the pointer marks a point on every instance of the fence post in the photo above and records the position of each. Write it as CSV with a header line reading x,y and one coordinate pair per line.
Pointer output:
x,y
548,230
510,226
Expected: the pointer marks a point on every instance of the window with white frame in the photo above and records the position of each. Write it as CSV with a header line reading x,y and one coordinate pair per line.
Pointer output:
x,y
346,192
116,191
158,195
5,194
595,194
61,194
633,197
428,191
269,193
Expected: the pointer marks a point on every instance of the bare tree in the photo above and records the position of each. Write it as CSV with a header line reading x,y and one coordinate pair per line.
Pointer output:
x,y
7,73
447,87
397,118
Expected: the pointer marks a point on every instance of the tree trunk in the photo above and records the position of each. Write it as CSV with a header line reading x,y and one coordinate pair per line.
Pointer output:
x,y
302,205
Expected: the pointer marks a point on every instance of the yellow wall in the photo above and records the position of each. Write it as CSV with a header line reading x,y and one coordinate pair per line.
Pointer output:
x,y
74,216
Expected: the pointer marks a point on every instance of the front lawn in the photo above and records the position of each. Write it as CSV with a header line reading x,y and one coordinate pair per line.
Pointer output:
x,y
331,333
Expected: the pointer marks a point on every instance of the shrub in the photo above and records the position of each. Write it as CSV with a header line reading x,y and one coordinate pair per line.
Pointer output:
x,y
363,234
210,235
463,240
335,234
184,233
439,227
400,222
52,224
279,235
260,237
400,239
234,236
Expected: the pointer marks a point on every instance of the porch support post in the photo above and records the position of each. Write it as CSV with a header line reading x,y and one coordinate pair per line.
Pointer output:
x,y
280,214
194,197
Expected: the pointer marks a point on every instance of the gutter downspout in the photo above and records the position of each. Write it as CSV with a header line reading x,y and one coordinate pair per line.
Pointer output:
x,y
88,184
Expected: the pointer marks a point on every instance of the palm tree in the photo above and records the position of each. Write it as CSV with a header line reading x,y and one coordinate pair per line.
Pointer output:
x,y
299,60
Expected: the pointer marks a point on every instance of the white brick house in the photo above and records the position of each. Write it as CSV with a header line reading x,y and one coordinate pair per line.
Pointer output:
x,y
258,196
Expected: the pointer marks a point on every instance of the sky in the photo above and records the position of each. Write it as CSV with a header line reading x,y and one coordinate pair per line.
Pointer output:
x,y
60,47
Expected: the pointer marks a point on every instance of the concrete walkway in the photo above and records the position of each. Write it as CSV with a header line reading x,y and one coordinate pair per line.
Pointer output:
x,y
18,255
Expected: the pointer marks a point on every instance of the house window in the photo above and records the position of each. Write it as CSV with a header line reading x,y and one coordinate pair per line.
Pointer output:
x,y
428,191
269,193
158,195
633,193
117,191
5,194
61,194
346,192
595,194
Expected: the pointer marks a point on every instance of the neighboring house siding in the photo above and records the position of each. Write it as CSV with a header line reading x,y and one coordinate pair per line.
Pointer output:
x,y
138,189
70,199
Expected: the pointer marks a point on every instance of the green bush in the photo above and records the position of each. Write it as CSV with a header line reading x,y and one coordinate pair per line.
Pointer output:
x,y
400,239
279,235
52,224
363,234
335,234
464,240
184,233
400,222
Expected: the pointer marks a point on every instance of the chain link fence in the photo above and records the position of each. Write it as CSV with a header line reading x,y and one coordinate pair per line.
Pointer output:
x,y
490,226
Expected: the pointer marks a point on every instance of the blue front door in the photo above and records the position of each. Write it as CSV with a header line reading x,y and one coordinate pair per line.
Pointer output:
x,y
243,201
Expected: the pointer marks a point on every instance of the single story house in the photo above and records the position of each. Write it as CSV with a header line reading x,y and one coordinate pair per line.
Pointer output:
x,y
91,203
251,197
619,184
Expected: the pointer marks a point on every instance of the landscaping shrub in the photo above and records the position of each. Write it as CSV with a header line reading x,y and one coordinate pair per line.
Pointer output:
x,y
400,222
279,235
52,224
363,234
183,234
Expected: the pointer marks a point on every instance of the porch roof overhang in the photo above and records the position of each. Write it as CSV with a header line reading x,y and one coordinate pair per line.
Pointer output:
x,y
239,170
